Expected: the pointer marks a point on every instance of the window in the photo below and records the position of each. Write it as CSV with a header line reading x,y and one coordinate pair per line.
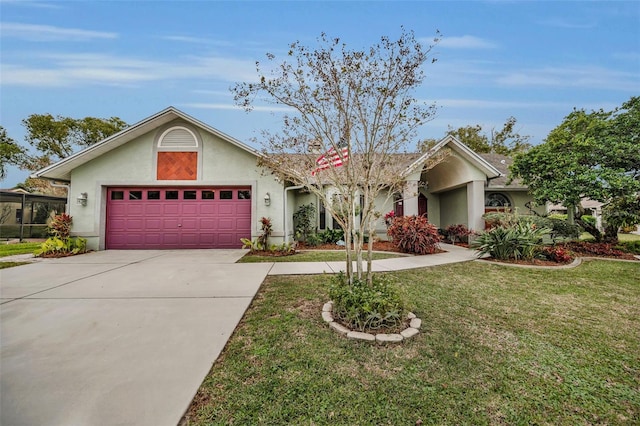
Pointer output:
x,y
135,195
178,137
189,195
226,195
208,195
153,195
496,200
244,195
178,149
117,195
171,195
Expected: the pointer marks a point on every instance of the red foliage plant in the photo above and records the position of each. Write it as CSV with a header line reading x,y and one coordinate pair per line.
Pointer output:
x,y
414,234
61,226
557,254
458,232
588,248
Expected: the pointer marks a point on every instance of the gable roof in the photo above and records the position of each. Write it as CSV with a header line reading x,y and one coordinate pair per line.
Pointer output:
x,y
62,169
474,158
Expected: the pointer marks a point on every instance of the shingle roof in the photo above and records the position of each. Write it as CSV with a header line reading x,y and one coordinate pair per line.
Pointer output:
x,y
502,163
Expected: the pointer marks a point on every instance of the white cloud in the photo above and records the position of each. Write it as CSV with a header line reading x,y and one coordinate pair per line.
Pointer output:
x,y
33,32
466,42
75,69
34,4
589,77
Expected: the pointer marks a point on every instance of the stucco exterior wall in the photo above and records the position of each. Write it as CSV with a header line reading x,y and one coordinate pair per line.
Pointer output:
x,y
453,172
453,207
133,164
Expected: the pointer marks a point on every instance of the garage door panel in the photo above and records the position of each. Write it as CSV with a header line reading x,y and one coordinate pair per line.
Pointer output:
x,y
175,223
226,224
190,209
226,209
171,208
153,209
208,209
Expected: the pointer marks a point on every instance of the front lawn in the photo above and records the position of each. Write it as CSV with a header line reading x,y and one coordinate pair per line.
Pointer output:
x,y
310,256
4,265
19,248
498,345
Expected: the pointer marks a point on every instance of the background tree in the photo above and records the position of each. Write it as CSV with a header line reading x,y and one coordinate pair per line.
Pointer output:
x,y
506,141
590,154
51,139
356,105
55,138
10,152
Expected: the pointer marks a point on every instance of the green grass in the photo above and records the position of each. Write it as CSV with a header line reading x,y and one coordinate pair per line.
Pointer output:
x,y
621,237
628,237
4,265
19,248
498,345
311,256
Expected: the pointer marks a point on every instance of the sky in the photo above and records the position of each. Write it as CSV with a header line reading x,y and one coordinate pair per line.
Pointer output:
x,y
535,61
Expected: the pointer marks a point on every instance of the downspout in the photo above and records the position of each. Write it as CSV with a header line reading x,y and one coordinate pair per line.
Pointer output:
x,y
286,231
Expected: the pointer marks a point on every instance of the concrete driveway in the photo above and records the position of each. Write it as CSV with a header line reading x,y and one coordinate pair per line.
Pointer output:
x,y
116,337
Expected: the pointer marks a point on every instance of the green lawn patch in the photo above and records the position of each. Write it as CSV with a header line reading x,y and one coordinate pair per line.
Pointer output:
x,y
19,248
498,345
628,237
4,265
311,256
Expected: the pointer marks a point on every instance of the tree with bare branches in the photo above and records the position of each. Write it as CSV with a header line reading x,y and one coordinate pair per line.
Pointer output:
x,y
353,114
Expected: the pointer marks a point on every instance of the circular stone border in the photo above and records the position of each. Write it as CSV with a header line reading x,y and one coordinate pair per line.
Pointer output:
x,y
413,329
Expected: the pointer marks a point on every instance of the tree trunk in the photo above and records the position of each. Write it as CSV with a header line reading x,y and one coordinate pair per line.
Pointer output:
x,y
588,227
611,234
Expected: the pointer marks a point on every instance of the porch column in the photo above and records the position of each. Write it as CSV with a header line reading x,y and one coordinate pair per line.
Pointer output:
x,y
475,205
410,196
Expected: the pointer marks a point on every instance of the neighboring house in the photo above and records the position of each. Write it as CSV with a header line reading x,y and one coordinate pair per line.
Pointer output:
x,y
171,181
25,215
590,207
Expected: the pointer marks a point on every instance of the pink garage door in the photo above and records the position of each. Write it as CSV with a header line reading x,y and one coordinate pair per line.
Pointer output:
x,y
177,218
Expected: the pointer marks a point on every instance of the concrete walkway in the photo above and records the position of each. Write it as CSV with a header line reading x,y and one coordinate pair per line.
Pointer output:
x,y
126,337
453,254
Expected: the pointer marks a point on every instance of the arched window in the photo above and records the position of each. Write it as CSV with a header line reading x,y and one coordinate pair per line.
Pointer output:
x,y
177,154
497,199
178,137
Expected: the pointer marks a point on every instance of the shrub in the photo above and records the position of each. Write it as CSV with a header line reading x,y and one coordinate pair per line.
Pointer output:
x,y
627,229
304,221
629,246
60,226
388,218
267,229
414,234
313,240
457,232
331,236
56,246
360,306
589,219
563,229
516,242
61,244
556,254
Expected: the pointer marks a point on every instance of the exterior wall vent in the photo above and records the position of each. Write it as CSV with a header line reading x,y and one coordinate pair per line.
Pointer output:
x,y
178,137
